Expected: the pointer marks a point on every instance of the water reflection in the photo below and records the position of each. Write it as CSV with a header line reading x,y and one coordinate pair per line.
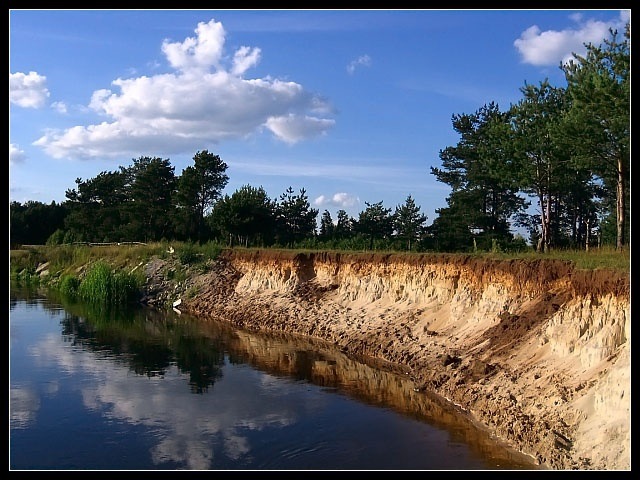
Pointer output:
x,y
132,367
367,380
148,342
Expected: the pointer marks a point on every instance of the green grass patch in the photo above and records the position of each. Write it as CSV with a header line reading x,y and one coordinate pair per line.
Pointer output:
x,y
103,286
69,286
597,258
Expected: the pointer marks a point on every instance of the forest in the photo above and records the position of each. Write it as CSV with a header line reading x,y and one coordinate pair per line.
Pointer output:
x,y
556,164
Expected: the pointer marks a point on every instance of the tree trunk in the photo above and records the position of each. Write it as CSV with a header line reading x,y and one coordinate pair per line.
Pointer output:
x,y
543,244
620,206
587,235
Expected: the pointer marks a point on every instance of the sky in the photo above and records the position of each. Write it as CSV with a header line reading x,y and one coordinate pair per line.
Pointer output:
x,y
353,106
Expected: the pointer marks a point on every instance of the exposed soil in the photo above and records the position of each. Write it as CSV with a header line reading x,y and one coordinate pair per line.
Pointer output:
x,y
518,398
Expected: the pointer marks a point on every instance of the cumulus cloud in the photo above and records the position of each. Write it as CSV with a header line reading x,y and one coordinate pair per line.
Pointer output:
x,y
550,47
28,90
361,61
207,99
16,155
340,199
198,53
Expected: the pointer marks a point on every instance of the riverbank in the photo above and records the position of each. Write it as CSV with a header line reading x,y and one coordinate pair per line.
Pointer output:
x,y
535,351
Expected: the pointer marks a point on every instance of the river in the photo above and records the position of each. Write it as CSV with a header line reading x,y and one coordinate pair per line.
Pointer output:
x,y
146,390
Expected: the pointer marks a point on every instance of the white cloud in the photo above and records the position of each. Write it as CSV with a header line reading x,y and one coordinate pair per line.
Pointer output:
x,y
197,53
337,200
206,100
245,58
550,47
28,91
60,107
292,128
363,60
16,155
25,404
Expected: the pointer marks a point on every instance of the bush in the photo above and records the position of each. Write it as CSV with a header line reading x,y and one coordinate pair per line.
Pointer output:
x,y
56,238
187,254
102,286
211,250
69,286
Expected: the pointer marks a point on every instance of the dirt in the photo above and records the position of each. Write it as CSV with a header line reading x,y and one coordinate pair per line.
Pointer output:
x,y
523,400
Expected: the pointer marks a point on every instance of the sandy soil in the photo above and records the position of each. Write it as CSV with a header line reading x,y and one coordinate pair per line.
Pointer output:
x,y
507,380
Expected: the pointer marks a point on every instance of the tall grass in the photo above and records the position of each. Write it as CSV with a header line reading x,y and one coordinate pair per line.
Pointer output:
x,y
104,287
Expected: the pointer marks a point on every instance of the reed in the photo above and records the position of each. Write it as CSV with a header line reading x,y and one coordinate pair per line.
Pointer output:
x,y
101,285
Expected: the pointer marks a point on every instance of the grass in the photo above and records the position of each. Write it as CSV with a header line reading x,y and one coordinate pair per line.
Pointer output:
x,y
597,258
104,286
72,259
64,262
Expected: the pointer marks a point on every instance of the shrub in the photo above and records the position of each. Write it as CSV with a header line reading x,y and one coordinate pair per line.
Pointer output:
x,y
102,286
187,254
211,250
69,285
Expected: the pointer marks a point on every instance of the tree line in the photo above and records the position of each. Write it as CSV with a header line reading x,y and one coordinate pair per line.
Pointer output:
x,y
563,151
147,202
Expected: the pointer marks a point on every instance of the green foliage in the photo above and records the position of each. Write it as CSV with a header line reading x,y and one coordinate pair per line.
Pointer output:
x,y
101,286
246,218
151,188
177,275
187,253
56,238
409,223
190,253
495,246
375,222
97,207
546,170
96,286
62,256
482,172
604,257
33,222
295,219
327,228
344,225
598,124
25,260
517,245
69,286
199,187
210,250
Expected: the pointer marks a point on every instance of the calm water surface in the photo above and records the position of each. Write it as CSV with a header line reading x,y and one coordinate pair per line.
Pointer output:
x,y
144,390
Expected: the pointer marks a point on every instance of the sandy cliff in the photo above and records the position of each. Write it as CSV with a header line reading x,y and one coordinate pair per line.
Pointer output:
x,y
535,351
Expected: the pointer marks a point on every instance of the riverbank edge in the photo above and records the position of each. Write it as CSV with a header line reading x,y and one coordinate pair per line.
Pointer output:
x,y
493,384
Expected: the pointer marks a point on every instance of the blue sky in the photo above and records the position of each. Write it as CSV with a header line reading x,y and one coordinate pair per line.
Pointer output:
x,y
351,105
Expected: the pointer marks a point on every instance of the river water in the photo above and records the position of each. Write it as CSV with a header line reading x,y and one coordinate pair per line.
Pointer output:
x,y
148,390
